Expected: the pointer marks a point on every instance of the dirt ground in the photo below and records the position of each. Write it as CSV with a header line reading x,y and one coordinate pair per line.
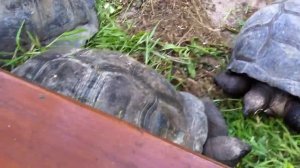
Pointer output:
x,y
179,21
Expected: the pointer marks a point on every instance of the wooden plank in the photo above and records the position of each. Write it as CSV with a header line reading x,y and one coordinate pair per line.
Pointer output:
x,y
40,129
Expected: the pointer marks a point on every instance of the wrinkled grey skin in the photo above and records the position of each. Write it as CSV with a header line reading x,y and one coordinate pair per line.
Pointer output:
x,y
45,18
216,123
221,147
268,47
229,152
125,88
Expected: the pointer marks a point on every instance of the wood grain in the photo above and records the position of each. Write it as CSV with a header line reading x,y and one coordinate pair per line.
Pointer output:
x,y
41,129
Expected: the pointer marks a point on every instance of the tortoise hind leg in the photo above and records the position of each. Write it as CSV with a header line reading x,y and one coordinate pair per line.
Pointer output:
x,y
233,84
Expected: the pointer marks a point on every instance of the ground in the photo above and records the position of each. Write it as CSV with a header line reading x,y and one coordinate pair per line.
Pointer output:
x,y
210,22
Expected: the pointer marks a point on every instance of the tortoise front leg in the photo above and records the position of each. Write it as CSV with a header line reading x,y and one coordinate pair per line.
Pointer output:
x,y
233,84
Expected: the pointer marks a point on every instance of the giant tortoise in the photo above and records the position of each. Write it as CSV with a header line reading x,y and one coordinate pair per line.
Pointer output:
x,y
264,67
123,87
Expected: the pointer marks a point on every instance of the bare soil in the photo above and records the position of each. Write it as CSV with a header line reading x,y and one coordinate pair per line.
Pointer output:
x,y
178,21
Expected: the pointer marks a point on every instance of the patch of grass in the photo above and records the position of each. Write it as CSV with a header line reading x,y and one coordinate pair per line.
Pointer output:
x,y
273,145
143,46
22,53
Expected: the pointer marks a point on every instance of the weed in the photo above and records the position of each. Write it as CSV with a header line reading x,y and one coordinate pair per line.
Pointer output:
x,y
273,145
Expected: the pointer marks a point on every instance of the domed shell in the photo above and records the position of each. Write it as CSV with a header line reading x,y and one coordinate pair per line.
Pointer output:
x,y
123,87
268,47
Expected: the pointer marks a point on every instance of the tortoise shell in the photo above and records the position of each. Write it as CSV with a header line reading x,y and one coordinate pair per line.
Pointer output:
x,y
45,18
123,87
268,47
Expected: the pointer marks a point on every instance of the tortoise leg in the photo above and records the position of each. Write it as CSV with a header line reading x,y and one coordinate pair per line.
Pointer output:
x,y
216,122
292,117
257,99
225,149
233,84
219,145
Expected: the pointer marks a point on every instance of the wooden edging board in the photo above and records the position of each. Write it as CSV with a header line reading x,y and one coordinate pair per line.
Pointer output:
x,y
41,129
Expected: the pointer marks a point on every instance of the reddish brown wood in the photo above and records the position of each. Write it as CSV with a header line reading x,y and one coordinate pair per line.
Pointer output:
x,y
41,129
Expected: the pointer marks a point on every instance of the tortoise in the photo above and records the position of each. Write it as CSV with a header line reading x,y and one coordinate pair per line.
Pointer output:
x,y
264,67
120,86
46,19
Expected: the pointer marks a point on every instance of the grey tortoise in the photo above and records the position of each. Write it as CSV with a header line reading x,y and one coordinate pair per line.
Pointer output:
x,y
265,65
125,88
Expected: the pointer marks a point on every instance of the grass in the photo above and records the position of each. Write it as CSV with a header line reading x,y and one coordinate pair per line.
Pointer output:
x,y
273,145
21,54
